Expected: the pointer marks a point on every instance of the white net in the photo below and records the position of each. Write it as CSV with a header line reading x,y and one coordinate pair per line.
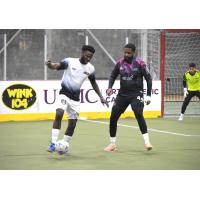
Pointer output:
x,y
153,53
181,49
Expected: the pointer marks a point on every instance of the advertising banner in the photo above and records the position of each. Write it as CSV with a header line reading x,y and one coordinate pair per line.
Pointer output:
x,y
23,98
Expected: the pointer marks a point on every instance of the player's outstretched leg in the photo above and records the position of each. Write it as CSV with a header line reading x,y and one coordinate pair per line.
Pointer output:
x,y
138,111
115,114
56,129
184,106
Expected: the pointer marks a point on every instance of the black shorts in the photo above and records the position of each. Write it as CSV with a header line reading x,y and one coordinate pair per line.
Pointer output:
x,y
136,102
194,93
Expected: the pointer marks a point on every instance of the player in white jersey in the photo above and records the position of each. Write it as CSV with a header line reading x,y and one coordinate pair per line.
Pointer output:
x,y
76,71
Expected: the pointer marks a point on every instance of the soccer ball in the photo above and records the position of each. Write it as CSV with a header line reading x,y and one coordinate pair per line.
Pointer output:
x,y
62,146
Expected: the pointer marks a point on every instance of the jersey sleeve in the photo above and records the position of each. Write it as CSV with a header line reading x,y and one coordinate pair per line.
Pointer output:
x,y
113,75
63,64
91,77
147,76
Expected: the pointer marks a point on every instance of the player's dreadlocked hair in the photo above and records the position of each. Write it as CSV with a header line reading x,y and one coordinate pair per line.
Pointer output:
x,y
88,48
130,46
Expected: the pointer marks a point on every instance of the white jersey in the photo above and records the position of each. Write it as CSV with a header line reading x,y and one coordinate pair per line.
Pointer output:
x,y
75,73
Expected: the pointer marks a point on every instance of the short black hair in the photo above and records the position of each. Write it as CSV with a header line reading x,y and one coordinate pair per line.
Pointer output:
x,y
88,48
130,46
192,65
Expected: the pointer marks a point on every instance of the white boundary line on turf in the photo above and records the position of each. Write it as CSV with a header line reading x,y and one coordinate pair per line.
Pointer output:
x,y
136,127
185,116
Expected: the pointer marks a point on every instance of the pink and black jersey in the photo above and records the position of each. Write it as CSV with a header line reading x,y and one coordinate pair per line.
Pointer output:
x,y
131,77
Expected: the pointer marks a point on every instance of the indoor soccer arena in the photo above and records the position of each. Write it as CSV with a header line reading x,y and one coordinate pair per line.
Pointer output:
x,y
29,90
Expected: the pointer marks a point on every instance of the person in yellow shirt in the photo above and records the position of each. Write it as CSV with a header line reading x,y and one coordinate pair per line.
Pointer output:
x,y
191,84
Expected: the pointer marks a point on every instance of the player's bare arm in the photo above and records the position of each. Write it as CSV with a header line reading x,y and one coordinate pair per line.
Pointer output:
x,y
51,65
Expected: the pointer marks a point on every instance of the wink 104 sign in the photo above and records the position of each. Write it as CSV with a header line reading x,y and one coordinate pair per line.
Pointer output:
x,y
41,96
